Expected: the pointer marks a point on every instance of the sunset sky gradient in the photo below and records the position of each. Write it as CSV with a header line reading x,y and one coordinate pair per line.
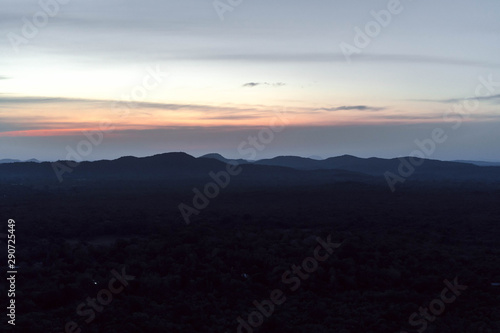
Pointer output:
x,y
172,76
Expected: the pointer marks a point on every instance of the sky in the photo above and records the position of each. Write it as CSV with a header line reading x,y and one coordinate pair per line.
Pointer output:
x,y
94,80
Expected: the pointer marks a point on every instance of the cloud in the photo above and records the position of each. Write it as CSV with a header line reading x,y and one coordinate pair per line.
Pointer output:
x,y
233,117
423,59
493,98
479,98
5,100
255,84
251,84
353,107
339,57
10,122
4,77
41,100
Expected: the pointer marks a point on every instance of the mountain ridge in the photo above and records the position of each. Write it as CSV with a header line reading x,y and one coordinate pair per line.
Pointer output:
x,y
179,166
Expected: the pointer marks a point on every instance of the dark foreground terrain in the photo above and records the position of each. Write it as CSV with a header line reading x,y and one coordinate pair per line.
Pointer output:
x,y
108,250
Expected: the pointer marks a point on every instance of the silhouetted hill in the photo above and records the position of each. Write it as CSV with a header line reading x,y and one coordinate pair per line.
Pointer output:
x,y
346,162
161,166
479,163
221,158
295,162
428,170
180,168
8,160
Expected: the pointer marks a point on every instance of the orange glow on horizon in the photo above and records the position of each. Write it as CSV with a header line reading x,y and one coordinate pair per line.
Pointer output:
x,y
56,122
46,132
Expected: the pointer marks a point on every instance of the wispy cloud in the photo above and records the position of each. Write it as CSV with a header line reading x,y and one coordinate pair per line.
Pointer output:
x,y
422,59
42,100
353,107
339,57
234,117
255,84
492,98
32,100
4,77
28,122
480,98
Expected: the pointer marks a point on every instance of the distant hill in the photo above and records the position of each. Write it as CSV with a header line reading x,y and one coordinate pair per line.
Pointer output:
x,y
295,162
429,170
181,168
221,158
479,163
341,162
7,160
178,169
373,165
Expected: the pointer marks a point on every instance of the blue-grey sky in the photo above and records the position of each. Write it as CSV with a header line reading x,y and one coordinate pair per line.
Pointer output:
x,y
367,78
